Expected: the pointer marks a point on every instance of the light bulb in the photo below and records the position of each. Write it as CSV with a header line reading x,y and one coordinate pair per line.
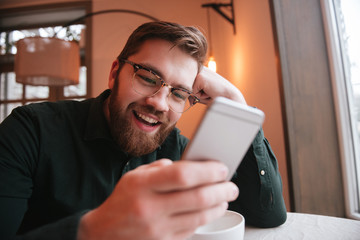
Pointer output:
x,y
212,64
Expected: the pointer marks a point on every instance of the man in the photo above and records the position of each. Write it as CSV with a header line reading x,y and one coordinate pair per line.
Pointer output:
x,y
103,168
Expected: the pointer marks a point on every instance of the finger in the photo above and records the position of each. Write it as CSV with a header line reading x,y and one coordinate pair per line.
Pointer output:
x,y
204,98
188,222
206,101
185,175
158,163
199,198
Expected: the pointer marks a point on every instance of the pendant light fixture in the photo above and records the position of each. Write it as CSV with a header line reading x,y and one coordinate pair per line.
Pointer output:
x,y
218,7
51,61
41,61
211,61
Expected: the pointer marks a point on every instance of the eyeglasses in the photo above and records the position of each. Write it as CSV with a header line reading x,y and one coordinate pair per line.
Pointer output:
x,y
148,83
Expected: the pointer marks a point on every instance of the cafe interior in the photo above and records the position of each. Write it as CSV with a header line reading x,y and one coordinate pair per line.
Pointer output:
x,y
282,55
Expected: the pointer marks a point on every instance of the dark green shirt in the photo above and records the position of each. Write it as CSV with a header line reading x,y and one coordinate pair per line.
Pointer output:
x,y
58,160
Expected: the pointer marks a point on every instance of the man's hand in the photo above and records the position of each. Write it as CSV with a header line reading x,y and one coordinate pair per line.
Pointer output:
x,y
209,84
162,200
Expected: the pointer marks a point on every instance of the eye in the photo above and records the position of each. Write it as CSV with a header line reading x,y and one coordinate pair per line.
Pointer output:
x,y
146,80
180,95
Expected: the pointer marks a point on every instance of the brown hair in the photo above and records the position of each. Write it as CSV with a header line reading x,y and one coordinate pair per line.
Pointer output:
x,y
188,39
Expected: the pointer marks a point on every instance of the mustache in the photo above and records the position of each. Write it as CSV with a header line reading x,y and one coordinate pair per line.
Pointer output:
x,y
148,109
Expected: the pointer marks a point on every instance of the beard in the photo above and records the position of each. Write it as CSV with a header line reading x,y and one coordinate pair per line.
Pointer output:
x,y
131,139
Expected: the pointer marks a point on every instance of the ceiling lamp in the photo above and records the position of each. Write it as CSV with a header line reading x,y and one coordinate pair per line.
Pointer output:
x,y
211,64
43,61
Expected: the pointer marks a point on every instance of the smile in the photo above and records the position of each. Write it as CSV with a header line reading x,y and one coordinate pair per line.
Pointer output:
x,y
145,119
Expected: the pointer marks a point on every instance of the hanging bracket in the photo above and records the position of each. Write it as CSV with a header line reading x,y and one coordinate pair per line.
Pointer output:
x,y
218,7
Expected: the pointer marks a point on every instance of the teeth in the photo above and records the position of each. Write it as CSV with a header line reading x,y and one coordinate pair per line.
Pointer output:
x,y
147,119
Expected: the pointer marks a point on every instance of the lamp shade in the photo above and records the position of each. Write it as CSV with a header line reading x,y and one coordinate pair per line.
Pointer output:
x,y
47,62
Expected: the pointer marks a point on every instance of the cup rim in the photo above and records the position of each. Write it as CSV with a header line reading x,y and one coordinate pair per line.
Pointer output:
x,y
224,230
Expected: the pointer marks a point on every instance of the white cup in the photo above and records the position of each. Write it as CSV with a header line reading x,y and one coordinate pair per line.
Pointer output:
x,y
231,226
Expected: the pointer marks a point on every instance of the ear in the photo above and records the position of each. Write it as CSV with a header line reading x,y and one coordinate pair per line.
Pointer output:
x,y
113,73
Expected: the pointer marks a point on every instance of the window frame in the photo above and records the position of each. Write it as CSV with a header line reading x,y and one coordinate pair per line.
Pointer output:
x,y
346,129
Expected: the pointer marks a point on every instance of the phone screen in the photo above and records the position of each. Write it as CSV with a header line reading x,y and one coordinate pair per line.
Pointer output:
x,y
225,133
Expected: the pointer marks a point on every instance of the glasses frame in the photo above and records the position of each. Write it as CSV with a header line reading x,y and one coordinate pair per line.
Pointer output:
x,y
163,84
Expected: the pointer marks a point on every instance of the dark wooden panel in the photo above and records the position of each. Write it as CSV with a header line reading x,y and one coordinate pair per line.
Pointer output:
x,y
313,147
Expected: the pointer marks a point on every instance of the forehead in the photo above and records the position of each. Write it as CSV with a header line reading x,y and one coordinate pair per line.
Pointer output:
x,y
175,66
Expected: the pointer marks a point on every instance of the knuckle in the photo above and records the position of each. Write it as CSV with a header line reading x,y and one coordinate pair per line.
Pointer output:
x,y
181,176
208,215
132,180
139,209
203,198
202,219
151,231
143,215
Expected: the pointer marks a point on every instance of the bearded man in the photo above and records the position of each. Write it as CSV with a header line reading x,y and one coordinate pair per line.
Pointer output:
x,y
105,168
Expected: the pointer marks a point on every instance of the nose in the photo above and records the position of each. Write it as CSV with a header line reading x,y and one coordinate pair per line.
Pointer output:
x,y
159,100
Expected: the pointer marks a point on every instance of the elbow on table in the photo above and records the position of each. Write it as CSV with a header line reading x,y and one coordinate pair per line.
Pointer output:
x,y
274,219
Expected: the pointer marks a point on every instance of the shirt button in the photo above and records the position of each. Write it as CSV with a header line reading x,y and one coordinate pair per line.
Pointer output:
x,y
262,172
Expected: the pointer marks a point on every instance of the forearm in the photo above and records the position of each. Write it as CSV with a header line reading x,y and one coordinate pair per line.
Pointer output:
x,y
209,85
259,181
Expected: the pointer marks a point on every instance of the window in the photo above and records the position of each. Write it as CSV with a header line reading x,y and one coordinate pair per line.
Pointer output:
x,y
341,20
13,94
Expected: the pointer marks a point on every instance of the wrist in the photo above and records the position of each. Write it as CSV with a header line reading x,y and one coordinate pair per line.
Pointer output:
x,y
235,95
85,226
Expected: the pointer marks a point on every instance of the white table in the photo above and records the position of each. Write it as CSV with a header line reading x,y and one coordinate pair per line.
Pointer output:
x,y
308,227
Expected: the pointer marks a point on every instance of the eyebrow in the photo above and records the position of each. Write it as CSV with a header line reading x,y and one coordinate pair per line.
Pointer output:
x,y
158,72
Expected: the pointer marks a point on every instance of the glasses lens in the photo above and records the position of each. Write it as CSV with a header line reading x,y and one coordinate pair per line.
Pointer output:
x,y
145,82
179,101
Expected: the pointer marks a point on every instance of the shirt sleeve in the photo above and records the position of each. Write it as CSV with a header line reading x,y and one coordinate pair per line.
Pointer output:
x,y
11,212
260,200
16,167
18,152
65,228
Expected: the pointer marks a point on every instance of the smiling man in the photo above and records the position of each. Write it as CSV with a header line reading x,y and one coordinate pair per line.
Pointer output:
x,y
143,113
105,168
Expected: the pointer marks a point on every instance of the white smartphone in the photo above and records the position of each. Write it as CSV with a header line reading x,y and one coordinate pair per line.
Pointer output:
x,y
225,133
